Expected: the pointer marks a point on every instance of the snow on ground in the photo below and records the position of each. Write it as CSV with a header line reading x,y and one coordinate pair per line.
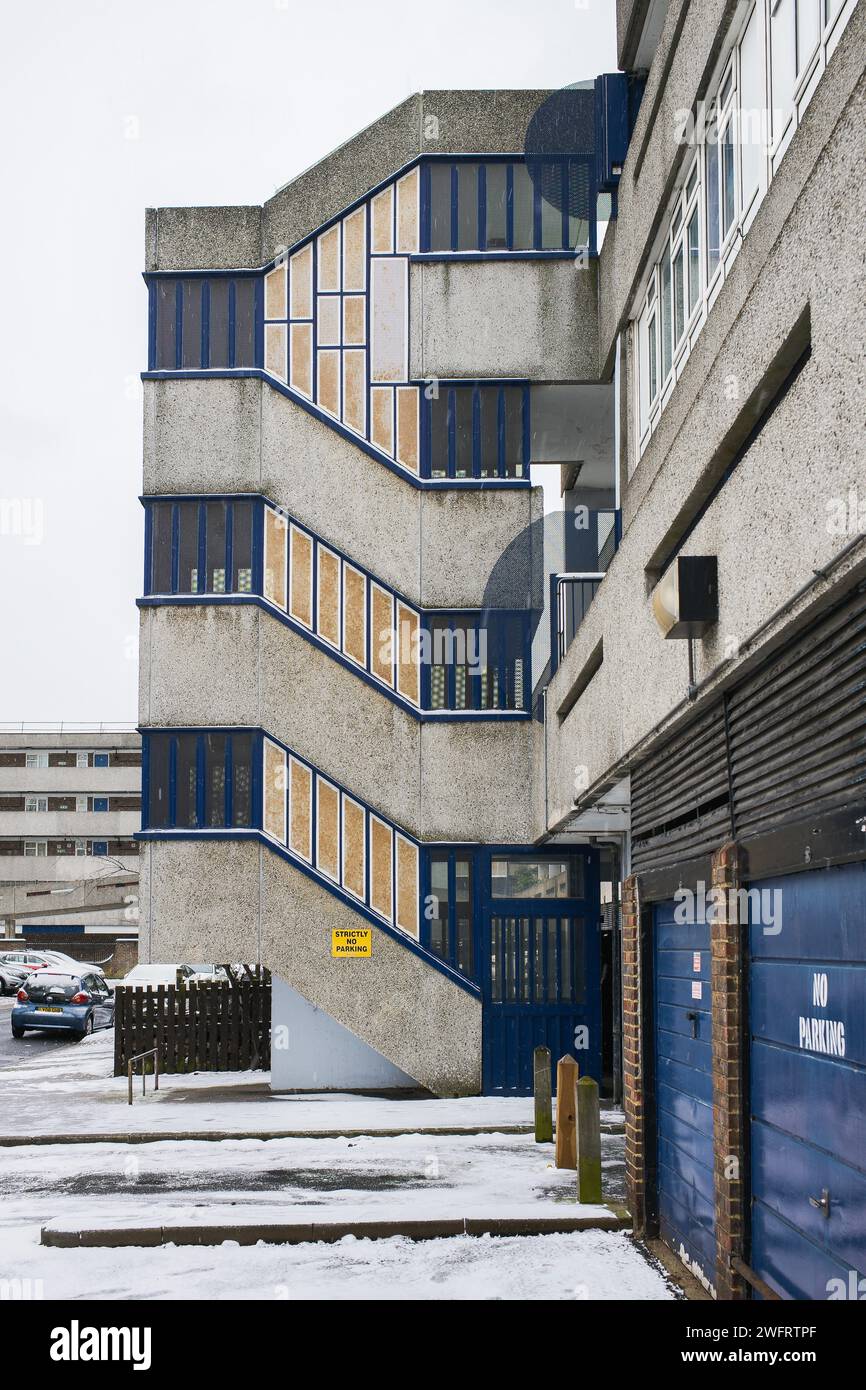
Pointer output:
x,y
72,1091
586,1265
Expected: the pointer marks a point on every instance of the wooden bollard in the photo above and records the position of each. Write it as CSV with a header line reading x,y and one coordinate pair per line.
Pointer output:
x,y
588,1140
566,1081
541,1083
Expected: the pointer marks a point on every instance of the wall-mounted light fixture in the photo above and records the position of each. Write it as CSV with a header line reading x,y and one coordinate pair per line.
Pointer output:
x,y
686,598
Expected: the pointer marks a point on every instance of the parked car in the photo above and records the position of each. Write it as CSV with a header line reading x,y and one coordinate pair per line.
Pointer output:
x,y
208,974
51,1000
30,960
150,976
66,962
12,978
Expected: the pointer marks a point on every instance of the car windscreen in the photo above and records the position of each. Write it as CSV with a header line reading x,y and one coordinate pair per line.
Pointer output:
x,y
45,986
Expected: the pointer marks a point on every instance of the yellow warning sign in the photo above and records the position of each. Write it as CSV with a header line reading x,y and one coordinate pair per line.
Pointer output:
x,y
351,942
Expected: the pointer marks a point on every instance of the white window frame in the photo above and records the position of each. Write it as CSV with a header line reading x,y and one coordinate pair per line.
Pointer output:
x,y
36,760
35,803
714,120
35,849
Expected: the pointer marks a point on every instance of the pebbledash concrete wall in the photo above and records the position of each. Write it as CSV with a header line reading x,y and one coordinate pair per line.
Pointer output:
x,y
227,899
454,781
801,262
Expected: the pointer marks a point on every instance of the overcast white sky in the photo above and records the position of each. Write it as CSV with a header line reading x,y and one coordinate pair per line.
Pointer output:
x,y
108,108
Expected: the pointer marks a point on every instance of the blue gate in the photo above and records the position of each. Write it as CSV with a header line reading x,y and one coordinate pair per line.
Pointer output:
x,y
684,1090
540,966
808,1083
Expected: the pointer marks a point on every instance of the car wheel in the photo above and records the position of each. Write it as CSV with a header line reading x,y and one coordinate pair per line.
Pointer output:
x,y
17,1032
87,1029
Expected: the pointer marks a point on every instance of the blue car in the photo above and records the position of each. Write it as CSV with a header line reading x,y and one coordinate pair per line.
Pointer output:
x,y
79,1004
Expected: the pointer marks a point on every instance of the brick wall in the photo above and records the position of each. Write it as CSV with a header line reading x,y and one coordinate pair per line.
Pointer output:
x,y
727,948
632,1055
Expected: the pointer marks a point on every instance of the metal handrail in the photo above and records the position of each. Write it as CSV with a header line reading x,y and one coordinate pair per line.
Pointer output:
x,y
154,1053
64,726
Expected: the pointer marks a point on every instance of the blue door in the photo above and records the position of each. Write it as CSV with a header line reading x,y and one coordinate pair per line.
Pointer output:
x,y
808,1083
540,967
684,1090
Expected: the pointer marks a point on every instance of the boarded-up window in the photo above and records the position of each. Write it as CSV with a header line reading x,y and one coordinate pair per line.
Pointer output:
x,y
328,385
276,538
381,849
328,320
329,259
301,601
407,427
302,283
276,344
354,320
328,829
354,249
275,791
301,343
355,615
408,681
389,320
355,390
382,635
407,212
328,624
276,293
354,856
407,886
301,809
383,220
382,405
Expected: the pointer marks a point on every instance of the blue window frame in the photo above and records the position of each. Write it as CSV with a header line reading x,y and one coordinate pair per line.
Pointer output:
x,y
195,780
202,546
99,847
100,803
449,918
498,205
201,322
476,430
100,760
477,666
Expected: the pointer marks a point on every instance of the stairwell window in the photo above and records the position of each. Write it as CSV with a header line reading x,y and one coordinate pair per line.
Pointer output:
x,y
500,206
477,430
198,780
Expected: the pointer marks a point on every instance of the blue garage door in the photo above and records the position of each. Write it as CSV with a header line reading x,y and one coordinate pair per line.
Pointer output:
x,y
808,1084
684,1090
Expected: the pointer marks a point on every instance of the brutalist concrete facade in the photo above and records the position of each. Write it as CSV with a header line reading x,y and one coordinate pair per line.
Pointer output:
x,y
443,782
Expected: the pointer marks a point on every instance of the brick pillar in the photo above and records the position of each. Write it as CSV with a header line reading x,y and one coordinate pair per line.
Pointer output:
x,y
632,1055
727,943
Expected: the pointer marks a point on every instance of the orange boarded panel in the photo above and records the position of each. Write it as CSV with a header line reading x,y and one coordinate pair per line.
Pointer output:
x,y
408,682
407,886
355,615
407,212
354,320
355,250
381,840
382,209
328,394
329,259
382,635
276,546
355,390
302,283
275,791
276,293
353,847
301,816
407,427
382,405
276,344
302,577
329,596
302,358
328,829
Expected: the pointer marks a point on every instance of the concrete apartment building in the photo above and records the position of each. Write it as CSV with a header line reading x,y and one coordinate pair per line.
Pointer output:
x,y
70,808
381,692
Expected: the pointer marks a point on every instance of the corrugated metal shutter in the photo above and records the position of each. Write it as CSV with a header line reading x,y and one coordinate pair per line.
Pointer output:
x,y
679,796
798,725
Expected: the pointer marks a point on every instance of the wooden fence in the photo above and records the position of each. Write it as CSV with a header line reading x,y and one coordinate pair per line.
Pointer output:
x,y
198,1027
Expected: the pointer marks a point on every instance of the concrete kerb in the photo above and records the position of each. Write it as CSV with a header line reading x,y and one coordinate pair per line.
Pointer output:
x,y
613,1218
220,1135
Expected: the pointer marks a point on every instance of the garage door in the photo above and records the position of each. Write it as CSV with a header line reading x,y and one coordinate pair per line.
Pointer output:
x,y
808,1084
684,1095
